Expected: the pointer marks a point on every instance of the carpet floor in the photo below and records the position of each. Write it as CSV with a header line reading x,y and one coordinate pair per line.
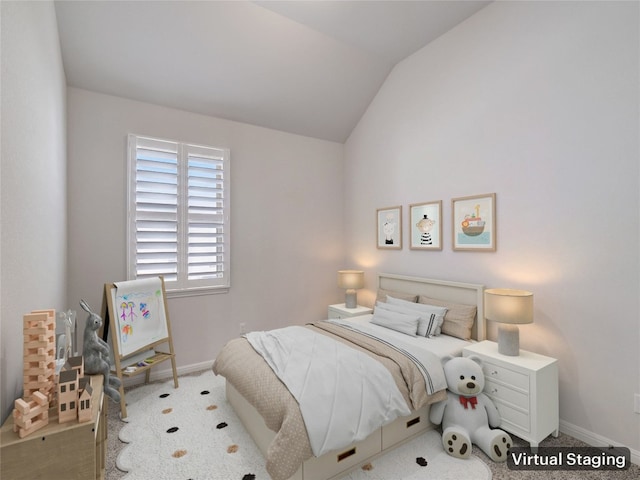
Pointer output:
x,y
120,452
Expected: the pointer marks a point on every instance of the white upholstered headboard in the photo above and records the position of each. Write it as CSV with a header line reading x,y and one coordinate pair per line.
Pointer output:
x,y
464,293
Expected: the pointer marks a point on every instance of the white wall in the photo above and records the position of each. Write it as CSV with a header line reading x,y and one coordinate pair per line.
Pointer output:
x,y
33,184
537,102
286,221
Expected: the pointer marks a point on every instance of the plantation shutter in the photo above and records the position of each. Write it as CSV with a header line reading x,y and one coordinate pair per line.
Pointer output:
x,y
205,213
178,214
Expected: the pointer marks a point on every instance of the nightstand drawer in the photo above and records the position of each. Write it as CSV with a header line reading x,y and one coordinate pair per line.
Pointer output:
x,y
340,311
515,417
506,376
497,391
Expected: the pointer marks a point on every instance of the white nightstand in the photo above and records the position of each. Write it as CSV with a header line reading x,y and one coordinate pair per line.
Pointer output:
x,y
524,389
339,311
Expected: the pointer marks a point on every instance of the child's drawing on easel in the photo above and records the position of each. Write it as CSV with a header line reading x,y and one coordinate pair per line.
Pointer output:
x,y
140,304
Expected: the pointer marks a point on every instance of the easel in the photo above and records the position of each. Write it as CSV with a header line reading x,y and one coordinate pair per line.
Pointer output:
x,y
110,316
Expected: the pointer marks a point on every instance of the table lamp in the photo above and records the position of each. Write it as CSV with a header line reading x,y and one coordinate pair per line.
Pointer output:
x,y
509,308
351,280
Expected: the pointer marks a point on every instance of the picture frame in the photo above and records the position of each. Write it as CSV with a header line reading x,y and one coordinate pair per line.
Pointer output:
x,y
389,228
425,225
473,222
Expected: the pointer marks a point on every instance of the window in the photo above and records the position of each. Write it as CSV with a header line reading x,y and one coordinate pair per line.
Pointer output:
x,y
178,218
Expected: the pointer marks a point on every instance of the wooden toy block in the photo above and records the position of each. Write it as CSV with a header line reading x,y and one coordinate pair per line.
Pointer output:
x,y
49,314
22,406
23,432
31,320
39,398
30,416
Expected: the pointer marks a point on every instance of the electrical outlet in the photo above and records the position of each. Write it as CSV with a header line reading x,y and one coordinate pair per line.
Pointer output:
x,y
243,327
636,407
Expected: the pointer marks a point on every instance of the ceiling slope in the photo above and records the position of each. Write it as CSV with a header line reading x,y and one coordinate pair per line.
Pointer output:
x,y
309,68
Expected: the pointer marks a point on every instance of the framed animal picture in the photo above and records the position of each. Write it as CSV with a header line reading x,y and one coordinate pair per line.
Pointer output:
x,y
425,225
389,228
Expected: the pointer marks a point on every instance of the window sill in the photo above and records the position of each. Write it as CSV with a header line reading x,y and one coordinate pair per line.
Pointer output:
x,y
194,292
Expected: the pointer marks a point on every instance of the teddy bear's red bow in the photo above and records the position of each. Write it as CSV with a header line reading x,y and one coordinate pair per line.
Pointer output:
x,y
464,401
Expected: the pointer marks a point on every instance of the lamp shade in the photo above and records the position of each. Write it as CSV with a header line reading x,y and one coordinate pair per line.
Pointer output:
x,y
350,279
505,305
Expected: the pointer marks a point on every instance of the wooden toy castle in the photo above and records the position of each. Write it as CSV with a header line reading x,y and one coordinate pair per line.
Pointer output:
x,y
73,391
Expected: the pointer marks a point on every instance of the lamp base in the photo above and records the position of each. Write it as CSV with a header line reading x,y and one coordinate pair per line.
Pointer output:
x,y
351,299
508,340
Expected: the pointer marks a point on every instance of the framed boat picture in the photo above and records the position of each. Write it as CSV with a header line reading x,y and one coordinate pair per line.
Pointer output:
x,y
474,223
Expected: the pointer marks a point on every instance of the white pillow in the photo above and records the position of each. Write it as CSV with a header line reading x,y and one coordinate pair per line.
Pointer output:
x,y
400,322
425,320
432,317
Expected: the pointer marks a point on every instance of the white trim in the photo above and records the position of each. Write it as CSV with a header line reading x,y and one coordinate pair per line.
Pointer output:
x,y
594,439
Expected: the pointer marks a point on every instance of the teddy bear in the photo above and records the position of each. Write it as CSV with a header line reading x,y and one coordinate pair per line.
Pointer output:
x,y
467,413
96,354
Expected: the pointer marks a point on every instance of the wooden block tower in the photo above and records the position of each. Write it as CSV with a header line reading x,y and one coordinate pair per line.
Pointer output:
x,y
39,353
32,411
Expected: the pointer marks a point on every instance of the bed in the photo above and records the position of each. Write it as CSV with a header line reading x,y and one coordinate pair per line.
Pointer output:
x,y
274,418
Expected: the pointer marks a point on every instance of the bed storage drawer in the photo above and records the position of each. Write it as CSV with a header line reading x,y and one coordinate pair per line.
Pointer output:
x,y
332,463
404,427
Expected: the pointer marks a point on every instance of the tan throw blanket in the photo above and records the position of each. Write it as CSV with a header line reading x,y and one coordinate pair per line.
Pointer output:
x,y
247,371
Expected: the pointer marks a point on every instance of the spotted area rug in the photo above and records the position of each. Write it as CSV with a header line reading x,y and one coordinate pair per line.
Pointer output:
x,y
192,433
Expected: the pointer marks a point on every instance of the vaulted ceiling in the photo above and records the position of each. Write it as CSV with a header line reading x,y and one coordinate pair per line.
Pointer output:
x,y
305,67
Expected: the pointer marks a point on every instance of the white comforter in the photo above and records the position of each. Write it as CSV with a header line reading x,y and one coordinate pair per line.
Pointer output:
x,y
427,362
343,394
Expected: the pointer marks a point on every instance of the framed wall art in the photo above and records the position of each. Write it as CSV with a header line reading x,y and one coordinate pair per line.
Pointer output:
x,y
389,228
425,225
474,223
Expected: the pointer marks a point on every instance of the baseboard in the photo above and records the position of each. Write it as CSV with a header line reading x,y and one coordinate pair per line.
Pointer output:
x,y
167,373
594,439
